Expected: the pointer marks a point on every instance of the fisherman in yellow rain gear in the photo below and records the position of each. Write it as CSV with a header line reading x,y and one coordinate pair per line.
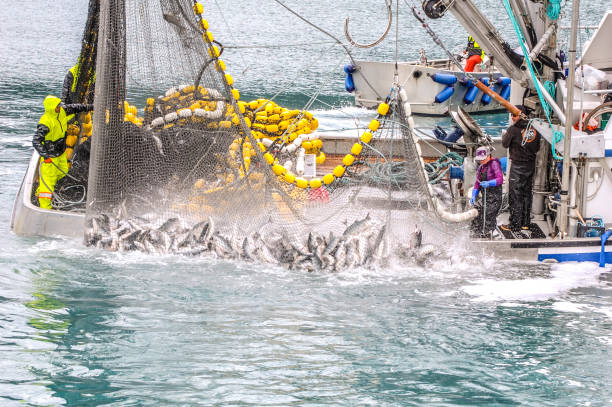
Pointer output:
x,y
70,85
475,54
50,142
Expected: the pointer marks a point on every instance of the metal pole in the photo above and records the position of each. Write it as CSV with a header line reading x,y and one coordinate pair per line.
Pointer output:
x,y
535,51
565,180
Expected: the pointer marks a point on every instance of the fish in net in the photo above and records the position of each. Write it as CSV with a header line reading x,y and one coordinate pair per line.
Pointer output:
x,y
198,171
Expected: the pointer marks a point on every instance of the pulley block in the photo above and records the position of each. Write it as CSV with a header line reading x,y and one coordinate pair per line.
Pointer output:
x,y
434,8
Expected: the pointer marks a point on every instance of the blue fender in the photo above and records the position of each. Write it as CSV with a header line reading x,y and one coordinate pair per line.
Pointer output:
x,y
503,81
486,99
444,78
349,83
505,92
470,94
444,94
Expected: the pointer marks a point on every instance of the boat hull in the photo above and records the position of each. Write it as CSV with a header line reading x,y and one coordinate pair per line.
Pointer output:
x,y
547,250
30,220
373,82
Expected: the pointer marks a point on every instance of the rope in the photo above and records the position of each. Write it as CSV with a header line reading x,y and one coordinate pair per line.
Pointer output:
x,y
396,173
552,90
554,9
283,45
58,201
381,174
557,135
438,169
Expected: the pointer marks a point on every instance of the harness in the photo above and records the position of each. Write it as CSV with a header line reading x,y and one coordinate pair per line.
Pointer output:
x,y
473,48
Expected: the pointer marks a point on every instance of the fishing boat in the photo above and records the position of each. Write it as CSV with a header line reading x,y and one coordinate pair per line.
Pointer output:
x,y
434,87
573,181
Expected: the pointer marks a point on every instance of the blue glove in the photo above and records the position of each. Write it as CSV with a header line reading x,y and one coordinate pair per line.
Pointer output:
x,y
474,195
487,184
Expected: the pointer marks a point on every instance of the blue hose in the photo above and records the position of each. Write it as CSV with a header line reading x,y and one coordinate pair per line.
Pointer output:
x,y
602,254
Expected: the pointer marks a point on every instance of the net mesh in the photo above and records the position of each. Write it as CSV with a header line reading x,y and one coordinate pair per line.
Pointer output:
x,y
180,164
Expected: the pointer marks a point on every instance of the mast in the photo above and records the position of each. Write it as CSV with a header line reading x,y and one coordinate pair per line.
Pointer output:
x,y
565,178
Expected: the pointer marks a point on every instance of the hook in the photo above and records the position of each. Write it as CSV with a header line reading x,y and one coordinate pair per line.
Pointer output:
x,y
382,37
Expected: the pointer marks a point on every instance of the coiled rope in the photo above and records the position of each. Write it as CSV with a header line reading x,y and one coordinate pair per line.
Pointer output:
x,y
438,169
58,201
554,9
397,174
557,135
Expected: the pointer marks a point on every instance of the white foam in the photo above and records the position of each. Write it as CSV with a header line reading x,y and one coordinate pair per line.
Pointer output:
x,y
564,277
564,306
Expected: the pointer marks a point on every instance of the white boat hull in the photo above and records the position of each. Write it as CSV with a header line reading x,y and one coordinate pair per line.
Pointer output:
x,y
373,82
30,220
548,250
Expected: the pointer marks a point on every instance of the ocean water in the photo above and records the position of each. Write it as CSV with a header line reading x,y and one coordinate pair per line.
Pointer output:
x,y
82,327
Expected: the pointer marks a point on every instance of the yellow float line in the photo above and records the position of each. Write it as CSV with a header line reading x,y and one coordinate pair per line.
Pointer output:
x,y
339,171
278,169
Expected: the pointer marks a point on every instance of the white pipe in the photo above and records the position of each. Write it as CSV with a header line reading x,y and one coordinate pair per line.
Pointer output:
x,y
538,47
598,91
454,217
567,144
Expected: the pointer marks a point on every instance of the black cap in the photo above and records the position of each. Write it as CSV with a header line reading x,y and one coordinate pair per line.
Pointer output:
x,y
522,108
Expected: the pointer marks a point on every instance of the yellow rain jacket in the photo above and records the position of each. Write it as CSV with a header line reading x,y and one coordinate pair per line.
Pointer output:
x,y
50,142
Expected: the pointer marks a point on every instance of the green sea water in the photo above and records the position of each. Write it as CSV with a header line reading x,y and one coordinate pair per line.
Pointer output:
x,y
82,327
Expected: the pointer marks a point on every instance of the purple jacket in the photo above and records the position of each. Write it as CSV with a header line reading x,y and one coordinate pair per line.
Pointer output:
x,y
488,172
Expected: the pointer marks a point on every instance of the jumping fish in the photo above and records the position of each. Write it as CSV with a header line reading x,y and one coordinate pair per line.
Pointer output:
x,y
158,144
333,242
424,252
223,243
416,238
170,226
265,255
311,242
186,240
373,251
361,243
174,20
340,256
209,231
357,226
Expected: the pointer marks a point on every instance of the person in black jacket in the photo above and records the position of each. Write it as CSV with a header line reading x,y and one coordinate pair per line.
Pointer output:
x,y
523,144
69,87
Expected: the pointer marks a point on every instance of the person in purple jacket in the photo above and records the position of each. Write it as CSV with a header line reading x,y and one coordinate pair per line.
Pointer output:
x,y
489,179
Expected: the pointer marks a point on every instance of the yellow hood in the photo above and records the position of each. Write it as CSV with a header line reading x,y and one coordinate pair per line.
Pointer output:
x,y
51,103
